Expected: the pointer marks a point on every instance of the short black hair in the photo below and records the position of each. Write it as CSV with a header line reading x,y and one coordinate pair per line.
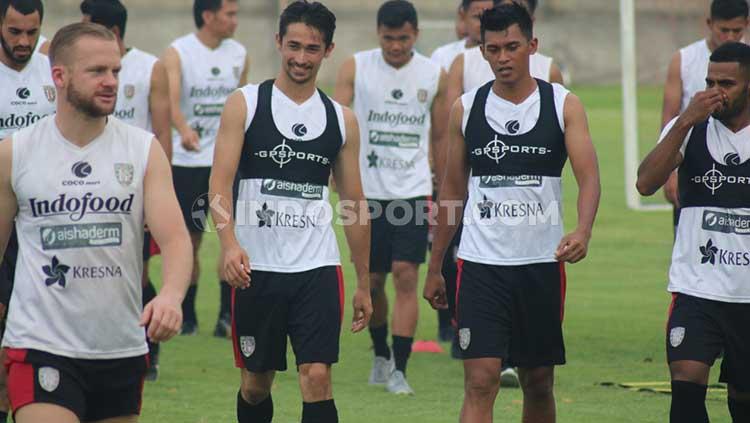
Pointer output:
x,y
313,14
466,3
531,4
397,13
733,52
200,6
24,7
503,16
725,10
108,13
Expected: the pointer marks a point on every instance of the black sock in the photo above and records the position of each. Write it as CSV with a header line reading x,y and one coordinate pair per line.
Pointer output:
x,y
379,336
740,410
319,412
3,416
258,413
225,301
401,351
444,319
188,305
688,403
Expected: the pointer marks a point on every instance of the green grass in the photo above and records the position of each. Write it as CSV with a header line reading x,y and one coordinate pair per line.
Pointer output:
x,y
614,327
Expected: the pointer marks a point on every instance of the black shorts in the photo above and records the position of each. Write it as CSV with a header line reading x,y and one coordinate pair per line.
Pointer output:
x,y
306,306
191,187
514,313
146,246
398,232
92,389
700,329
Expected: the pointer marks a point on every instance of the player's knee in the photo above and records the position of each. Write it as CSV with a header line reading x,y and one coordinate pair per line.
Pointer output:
x,y
482,384
255,394
315,376
538,389
405,276
689,371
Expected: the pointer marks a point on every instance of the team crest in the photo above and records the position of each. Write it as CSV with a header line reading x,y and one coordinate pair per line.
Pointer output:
x,y
464,338
247,345
129,91
49,378
422,95
676,336
50,93
124,173
237,70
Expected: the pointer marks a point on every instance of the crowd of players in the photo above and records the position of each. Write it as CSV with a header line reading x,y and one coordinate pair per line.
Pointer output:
x,y
485,126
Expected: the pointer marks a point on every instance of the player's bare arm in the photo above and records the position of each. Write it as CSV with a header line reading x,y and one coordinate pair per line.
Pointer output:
x,y
163,314
8,202
452,195
555,74
670,110
158,100
438,131
344,91
245,72
347,176
234,262
455,84
659,164
190,138
574,246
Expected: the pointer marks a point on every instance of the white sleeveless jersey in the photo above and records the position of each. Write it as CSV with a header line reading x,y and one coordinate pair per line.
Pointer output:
x,y
77,289
135,88
445,55
39,43
393,109
286,226
523,221
28,95
208,78
478,72
693,70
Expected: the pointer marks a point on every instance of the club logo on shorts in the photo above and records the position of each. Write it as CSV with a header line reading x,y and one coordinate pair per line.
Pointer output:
x,y
676,336
124,173
50,93
422,95
49,378
464,338
129,91
247,345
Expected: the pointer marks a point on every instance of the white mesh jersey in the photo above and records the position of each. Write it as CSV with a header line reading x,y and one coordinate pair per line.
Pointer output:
x,y
208,78
135,89
393,109
77,289
28,95
293,232
694,60
39,43
513,220
445,55
478,72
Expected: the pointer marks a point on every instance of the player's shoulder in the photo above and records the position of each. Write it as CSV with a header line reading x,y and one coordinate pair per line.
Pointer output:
x,y
425,61
467,99
127,130
541,57
184,40
249,91
234,45
40,60
365,55
694,47
560,90
139,56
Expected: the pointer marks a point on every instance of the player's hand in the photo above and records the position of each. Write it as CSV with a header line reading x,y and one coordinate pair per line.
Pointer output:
x,y
362,303
236,267
671,191
703,104
434,290
163,316
190,140
573,247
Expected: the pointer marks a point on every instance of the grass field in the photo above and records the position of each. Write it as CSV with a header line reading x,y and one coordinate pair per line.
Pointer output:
x,y
614,327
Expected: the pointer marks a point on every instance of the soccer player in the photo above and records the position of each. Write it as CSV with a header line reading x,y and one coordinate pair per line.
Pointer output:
x,y
142,101
708,143
283,138
687,70
509,141
468,15
398,96
81,184
29,96
204,68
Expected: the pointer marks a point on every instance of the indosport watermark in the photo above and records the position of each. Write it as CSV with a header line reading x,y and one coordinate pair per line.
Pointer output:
x,y
268,213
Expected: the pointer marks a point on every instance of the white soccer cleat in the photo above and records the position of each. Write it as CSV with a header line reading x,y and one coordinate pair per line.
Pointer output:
x,y
398,385
509,378
381,370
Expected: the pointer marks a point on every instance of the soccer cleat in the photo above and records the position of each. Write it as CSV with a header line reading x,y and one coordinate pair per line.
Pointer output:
x,y
509,378
398,385
189,328
223,328
381,370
